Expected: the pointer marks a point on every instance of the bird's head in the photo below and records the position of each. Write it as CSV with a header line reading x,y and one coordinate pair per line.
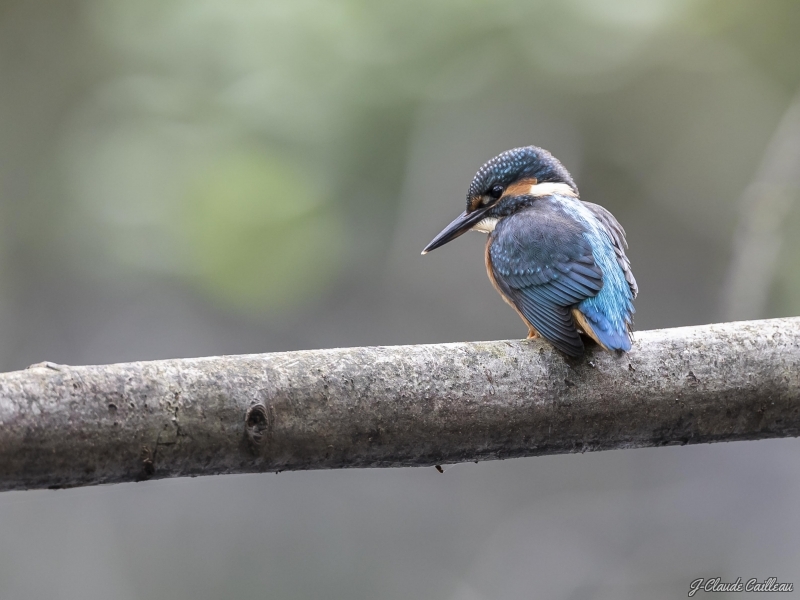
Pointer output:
x,y
504,185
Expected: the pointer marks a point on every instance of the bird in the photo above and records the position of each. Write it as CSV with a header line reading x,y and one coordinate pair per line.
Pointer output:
x,y
559,261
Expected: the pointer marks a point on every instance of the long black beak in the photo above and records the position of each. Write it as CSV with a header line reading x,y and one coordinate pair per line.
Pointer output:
x,y
461,224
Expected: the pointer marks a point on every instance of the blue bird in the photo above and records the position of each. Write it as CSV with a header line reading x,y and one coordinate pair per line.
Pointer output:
x,y
558,261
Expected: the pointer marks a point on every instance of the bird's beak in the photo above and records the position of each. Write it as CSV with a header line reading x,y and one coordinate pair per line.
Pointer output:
x,y
462,223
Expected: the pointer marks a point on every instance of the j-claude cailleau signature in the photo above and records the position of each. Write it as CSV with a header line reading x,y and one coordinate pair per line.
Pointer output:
x,y
715,584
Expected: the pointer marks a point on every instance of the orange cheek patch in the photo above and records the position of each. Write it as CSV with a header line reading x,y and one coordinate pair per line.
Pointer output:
x,y
520,188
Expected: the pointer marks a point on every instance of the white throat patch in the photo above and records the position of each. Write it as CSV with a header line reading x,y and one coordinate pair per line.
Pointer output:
x,y
486,225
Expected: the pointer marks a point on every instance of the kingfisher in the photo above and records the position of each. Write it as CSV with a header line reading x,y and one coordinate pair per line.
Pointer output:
x,y
559,261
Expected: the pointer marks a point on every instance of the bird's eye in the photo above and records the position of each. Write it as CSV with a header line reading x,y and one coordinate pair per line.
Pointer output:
x,y
496,191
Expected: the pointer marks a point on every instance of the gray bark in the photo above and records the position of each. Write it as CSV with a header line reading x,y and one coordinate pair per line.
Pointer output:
x,y
64,426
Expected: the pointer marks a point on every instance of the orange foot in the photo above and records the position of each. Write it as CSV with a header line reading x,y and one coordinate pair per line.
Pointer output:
x,y
532,334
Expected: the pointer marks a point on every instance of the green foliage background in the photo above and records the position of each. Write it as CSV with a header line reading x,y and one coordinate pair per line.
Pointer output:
x,y
199,177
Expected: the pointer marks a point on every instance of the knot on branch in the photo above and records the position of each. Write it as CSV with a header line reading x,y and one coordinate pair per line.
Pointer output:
x,y
256,424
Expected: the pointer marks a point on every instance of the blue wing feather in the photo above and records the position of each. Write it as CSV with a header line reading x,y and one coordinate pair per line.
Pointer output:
x,y
545,279
558,255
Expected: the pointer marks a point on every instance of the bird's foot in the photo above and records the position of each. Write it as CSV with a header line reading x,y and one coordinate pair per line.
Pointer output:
x,y
532,335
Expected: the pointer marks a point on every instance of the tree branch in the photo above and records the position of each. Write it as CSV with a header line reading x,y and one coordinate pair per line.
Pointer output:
x,y
65,426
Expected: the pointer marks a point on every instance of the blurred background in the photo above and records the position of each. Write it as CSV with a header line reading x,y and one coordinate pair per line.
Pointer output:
x,y
199,177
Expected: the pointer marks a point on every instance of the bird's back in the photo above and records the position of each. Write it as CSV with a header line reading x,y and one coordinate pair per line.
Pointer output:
x,y
607,316
562,263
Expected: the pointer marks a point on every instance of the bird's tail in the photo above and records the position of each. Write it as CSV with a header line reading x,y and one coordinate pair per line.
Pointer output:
x,y
597,326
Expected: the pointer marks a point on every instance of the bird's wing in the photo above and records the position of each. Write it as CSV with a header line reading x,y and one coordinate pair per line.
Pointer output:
x,y
617,235
542,262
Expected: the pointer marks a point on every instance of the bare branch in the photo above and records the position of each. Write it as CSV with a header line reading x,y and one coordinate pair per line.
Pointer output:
x,y
407,405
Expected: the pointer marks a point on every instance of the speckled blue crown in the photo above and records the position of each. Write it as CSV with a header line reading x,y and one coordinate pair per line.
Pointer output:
x,y
519,163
